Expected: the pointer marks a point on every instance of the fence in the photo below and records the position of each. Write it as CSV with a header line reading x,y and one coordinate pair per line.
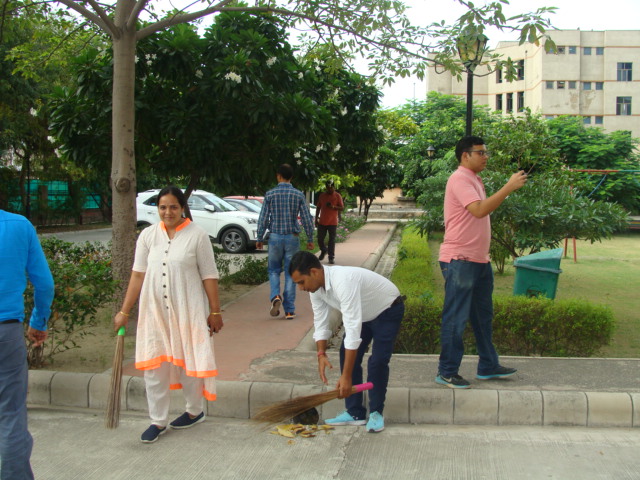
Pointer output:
x,y
50,202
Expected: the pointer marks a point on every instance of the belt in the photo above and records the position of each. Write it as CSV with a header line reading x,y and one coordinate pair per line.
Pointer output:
x,y
9,321
399,300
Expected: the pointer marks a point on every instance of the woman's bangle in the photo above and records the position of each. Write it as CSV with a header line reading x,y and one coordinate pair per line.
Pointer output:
x,y
320,354
215,313
125,314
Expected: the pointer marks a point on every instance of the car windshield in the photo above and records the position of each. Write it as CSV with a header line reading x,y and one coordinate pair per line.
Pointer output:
x,y
219,204
257,203
244,205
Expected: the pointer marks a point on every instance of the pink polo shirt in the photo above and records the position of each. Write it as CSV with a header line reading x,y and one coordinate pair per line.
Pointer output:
x,y
465,236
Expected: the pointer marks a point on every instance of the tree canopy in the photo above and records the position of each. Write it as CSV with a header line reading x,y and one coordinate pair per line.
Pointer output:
x,y
199,123
379,30
588,148
553,205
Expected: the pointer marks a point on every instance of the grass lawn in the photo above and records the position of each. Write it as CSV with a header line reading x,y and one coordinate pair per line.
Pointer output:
x,y
606,273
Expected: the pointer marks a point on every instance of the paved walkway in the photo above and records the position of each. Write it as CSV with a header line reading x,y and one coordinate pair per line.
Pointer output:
x,y
73,445
262,359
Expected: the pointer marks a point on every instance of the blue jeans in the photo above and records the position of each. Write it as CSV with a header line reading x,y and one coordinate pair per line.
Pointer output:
x,y
467,297
281,249
15,439
383,330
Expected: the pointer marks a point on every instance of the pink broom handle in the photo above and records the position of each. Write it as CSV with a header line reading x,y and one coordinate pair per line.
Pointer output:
x,y
362,387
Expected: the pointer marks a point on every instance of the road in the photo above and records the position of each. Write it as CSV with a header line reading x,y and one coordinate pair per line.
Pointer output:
x,y
73,444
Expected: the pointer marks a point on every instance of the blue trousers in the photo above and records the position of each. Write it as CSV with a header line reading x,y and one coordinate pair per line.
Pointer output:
x,y
281,249
383,331
467,297
15,440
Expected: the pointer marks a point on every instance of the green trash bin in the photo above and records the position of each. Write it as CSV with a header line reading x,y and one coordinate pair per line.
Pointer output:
x,y
537,274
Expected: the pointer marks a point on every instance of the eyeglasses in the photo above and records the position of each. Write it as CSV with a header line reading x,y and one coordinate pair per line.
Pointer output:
x,y
482,153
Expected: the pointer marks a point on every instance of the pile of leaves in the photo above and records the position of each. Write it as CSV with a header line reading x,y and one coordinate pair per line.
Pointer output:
x,y
293,430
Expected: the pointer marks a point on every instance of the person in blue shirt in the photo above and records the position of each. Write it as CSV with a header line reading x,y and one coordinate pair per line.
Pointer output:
x,y
21,256
281,209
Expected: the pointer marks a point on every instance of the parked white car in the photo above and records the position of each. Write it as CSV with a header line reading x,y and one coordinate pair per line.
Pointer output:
x,y
236,231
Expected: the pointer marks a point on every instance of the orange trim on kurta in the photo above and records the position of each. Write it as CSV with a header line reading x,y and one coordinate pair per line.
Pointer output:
x,y
156,362
206,394
178,228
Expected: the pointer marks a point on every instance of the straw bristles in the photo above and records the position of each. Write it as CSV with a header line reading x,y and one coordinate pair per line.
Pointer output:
x,y
112,415
286,410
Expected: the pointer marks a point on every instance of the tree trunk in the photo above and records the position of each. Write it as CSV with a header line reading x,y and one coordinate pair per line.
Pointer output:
x,y
123,166
367,205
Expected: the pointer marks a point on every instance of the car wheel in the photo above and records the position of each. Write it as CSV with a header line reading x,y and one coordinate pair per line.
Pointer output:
x,y
141,226
233,241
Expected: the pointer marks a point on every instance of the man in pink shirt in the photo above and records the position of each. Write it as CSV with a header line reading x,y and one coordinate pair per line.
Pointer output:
x,y
464,260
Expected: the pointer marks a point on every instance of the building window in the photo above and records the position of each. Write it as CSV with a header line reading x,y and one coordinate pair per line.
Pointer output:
x,y
586,120
509,102
599,120
499,76
548,117
520,101
624,72
561,84
572,84
550,85
572,50
520,69
599,50
623,105
586,85
499,103
599,85
586,50
561,50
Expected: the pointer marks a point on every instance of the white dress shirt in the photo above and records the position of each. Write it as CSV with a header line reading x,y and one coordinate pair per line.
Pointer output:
x,y
360,294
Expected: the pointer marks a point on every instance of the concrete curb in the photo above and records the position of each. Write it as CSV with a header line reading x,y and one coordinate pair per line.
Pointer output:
x,y
373,259
404,405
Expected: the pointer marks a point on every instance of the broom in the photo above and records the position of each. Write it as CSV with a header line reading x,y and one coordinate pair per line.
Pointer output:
x,y
112,415
284,411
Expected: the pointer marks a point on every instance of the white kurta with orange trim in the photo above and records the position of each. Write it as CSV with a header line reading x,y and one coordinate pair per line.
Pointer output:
x,y
173,306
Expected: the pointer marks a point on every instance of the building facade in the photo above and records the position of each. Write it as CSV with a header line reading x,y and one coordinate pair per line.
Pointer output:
x,y
591,75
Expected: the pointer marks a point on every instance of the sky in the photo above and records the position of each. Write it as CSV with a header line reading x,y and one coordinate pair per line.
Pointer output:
x,y
570,14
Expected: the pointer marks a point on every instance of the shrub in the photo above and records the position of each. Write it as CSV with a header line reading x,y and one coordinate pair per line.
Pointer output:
x,y
83,285
348,224
420,328
253,272
412,272
224,262
560,328
521,325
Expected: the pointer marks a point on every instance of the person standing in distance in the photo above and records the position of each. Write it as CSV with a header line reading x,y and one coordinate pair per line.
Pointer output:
x,y
372,309
281,209
329,205
20,253
464,261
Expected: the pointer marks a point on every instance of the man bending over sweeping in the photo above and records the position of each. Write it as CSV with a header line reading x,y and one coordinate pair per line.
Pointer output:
x,y
372,310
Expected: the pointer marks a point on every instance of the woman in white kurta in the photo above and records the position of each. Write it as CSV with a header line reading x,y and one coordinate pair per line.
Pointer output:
x,y
176,280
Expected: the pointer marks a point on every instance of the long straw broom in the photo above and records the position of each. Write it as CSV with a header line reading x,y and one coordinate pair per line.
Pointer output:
x,y
112,415
286,410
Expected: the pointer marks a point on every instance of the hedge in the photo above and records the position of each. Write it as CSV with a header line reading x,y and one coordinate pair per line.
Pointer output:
x,y
521,325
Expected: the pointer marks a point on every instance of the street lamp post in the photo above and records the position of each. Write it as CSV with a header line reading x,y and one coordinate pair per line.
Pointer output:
x,y
471,48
